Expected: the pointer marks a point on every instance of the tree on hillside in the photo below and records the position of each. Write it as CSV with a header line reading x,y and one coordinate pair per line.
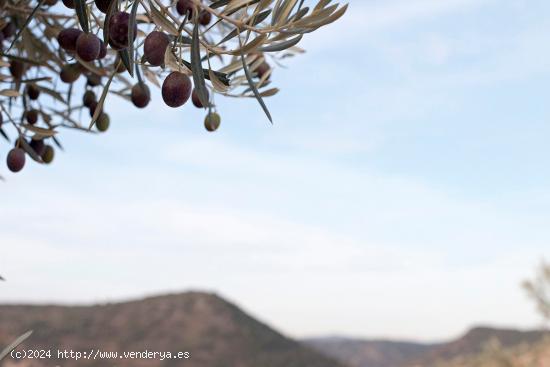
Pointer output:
x,y
539,290
64,58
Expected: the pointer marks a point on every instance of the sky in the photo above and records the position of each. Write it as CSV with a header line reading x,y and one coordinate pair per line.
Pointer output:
x,y
402,191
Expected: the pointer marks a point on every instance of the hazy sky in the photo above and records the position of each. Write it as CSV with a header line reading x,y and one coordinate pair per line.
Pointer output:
x,y
403,190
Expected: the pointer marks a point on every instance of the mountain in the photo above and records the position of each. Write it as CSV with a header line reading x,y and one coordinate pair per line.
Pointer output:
x,y
376,353
213,331
368,353
477,339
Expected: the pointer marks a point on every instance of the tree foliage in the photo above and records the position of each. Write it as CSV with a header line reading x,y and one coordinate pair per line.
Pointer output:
x,y
69,56
539,290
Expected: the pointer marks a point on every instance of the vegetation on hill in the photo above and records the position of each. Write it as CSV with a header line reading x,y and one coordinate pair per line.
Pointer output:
x,y
215,332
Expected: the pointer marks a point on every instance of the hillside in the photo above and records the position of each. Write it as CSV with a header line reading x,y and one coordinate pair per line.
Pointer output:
x,y
215,332
369,353
375,353
494,355
475,341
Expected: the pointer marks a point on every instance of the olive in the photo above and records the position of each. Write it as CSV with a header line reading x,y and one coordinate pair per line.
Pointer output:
x,y
70,73
103,5
38,146
67,38
140,95
154,47
102,122
32,116
48,154
118,30
205,17
102,50
88,98
9,30
16,159
93,80
92,107
185,6
176,89
69,3
17,69
212,121
88,46
33,92
262,69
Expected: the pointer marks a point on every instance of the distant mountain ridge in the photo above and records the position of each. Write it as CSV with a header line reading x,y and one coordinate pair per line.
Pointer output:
x,y
386,353
215,332
368,353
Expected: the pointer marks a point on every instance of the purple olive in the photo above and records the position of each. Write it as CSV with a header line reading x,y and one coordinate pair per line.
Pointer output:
x,y
88,46
103,5
185,6
16,159
38,146
176,89
140,95
89,98
118,30
154,47
32,116
69,3
205,17
33,92
67,38
17,69
9,30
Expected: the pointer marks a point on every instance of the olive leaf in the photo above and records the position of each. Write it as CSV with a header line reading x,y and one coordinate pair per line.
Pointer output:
x,y
35,80
223,77
196,67
15,344
219,4
131,35
253,86
270,92
280,46
235,7
283,11
56,141
39,130
160,20
113,6
101,101
24,60
255,20
126,60
27,21
9,93
56,95
30,151
82,14
3,133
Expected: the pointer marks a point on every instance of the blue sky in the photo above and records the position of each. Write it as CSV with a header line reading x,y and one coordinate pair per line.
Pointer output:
x,y
401,192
